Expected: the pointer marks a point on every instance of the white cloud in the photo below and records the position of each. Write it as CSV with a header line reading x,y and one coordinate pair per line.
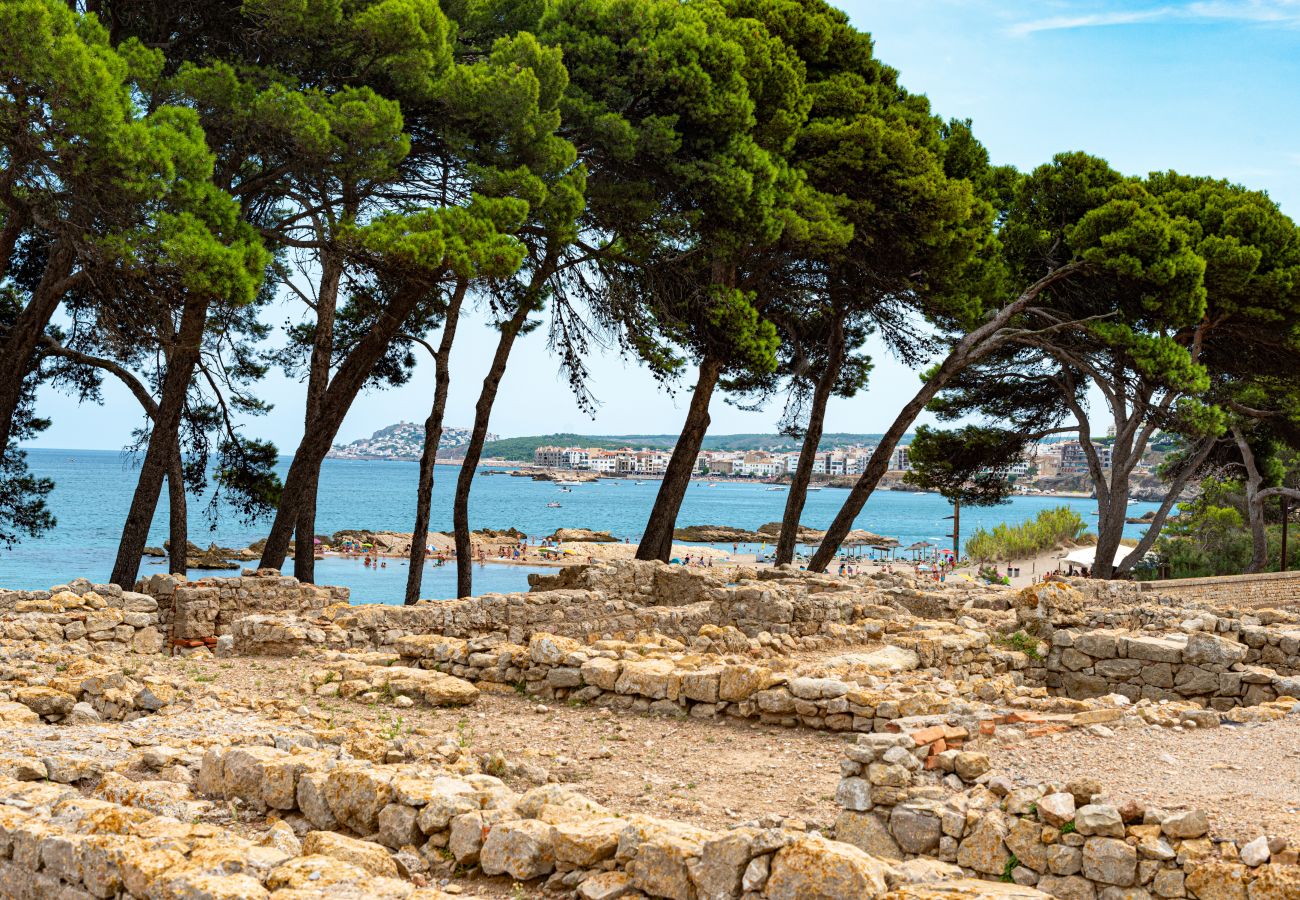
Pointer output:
x,y
1092,20
1273,12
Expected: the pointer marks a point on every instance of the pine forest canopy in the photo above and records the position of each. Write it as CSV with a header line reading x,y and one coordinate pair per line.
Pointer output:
x,y
738,189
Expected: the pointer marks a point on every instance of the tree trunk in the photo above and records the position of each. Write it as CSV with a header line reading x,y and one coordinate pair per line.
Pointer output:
x,y
474,450
162,443
432,439
968,350
798,496
1158,521
1254,509
177,516
343,389
876,467
21,342
657,540
318,378
956,532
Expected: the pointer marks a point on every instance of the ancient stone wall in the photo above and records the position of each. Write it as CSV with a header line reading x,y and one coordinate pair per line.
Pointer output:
x,y
866,693
98,617
1263,589
208,607
1211,669
1065,840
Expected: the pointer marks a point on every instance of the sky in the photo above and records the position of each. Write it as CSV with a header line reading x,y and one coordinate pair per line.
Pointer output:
x,y
1208,88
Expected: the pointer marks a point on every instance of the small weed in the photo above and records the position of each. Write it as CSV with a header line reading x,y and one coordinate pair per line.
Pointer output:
x,y
1068,828
521,688
394,730
464,733
1026,644
204,678
690,785
517,892
1010,867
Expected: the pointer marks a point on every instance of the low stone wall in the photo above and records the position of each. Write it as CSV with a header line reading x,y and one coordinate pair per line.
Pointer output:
x,y
865,693
89,617
1200,666
208,607
1263,589
556,833
1065,840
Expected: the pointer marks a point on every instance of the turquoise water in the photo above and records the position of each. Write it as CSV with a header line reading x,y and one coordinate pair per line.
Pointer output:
x,y
94,491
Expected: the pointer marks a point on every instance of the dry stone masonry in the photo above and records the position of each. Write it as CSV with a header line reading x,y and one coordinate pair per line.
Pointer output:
x,y
124,773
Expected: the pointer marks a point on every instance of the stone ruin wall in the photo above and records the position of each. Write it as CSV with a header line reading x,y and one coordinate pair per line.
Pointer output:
x,y
99,617
1160,646
1069,841
207,608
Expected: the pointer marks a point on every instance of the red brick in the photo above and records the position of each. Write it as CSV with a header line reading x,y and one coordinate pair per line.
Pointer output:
x,y
928,735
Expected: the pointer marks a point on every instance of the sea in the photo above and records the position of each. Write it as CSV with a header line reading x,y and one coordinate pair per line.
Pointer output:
x,y
93,492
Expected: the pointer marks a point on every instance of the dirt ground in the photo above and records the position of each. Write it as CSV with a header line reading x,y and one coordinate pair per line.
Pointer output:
x,y
1247,777
713,773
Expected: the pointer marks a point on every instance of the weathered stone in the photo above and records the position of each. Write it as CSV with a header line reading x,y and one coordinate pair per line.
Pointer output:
x,y
586,842
983,849
867,832
1056,809
1214,880
365,855
1184,825
1069,887
1109,861
1207,649
523,849
356,795
816,869
740,681
970,765
1101,819
917,830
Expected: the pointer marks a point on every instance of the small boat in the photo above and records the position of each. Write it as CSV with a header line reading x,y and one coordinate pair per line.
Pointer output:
x,y
639,482
814,487
776,487
566,490
554,504
713,484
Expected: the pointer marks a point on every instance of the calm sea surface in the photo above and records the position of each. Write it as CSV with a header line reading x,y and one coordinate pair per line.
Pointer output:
x,y
94,491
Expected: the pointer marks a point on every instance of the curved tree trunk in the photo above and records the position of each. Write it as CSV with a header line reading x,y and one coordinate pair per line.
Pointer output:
x,y
177,514
343,389
474,450
969,349
318,377
432,439
876,468
798,496
1254,509
162,443
18,351
1158,521
657,540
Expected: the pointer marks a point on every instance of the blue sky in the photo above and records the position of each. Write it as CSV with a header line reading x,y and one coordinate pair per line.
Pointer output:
x,y
1204,87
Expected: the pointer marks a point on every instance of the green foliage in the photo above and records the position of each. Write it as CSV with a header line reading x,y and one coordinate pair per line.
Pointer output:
x,y
966,465
1020,641
1050,528
1210,535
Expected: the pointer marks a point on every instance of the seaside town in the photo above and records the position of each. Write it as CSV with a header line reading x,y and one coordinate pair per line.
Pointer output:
x,y
1045,460
857,493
